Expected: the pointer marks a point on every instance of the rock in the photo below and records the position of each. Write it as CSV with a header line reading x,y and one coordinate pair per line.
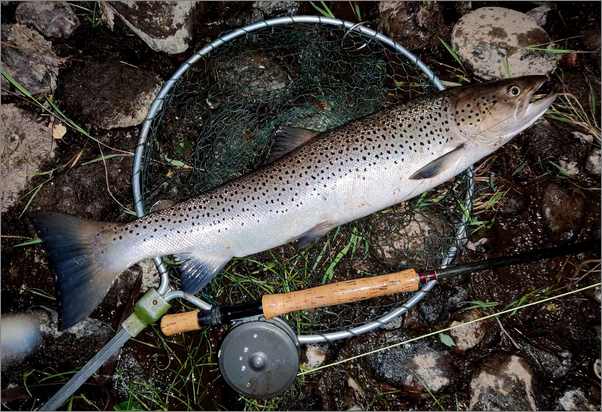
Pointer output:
x,y
19,336
163,26
575,400
414,367
150,275
513,203
88,336
403,237
51,18
494,41
433,309
593,163
562,209
266,9
110,95
591,39
258,72
29,58
457,296
553,360
315,356
26,143
469,336
503,383
540,14
415,25
583,137
569,167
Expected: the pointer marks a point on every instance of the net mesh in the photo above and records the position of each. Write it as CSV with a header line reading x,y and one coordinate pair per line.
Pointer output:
x,y
217,124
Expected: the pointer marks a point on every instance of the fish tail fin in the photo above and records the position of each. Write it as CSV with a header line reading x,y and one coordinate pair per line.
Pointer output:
x,y
80,254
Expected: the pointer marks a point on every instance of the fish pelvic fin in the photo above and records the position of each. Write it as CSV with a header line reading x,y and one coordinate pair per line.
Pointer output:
x,y
197,269
440,164
79,252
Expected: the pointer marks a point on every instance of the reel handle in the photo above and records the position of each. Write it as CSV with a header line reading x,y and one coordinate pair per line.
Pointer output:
x,y
340,292
180,322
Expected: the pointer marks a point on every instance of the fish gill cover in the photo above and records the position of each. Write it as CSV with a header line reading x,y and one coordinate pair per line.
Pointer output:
x,y
218,123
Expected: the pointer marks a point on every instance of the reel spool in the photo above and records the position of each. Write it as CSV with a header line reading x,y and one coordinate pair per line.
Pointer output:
x,y
259,358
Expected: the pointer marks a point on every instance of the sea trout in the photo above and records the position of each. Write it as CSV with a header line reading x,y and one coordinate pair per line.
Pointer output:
x,y
314,183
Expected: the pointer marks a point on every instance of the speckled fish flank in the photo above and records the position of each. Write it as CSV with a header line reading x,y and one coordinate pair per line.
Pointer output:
x,y
322,182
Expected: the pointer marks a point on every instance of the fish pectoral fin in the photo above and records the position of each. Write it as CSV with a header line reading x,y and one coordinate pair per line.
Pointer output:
x,y
314,233
197,271
440,164
287,139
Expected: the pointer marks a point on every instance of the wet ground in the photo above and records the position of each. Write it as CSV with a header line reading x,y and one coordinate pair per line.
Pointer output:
x,y
535,192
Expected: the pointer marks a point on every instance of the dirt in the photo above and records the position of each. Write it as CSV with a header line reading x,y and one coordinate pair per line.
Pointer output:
x,y
519,224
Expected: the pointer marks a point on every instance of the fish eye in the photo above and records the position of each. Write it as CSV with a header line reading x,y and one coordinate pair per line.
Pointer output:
x,y
514,90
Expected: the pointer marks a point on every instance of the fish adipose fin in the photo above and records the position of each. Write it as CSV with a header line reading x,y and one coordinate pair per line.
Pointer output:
x,y
197,271
287,139
438,165
313,234
79,254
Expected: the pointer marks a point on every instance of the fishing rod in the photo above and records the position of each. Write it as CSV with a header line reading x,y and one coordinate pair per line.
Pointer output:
x,y
354,290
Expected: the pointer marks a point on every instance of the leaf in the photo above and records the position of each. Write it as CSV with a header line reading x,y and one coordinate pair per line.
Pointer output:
x,y
28,243
128,405
447,340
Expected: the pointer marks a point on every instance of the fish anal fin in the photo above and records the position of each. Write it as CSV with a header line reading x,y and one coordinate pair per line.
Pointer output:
x,y
287,139
314,233
439,165
198,269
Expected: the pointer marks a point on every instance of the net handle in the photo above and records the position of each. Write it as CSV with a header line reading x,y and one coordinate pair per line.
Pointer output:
x,y
282,21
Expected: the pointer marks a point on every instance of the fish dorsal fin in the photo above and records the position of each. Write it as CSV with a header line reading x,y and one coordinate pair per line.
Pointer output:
x,y
197,269
440,164
314,233
287,139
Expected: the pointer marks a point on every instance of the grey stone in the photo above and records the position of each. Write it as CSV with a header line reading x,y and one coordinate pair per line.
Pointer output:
x,y
503,383
593,162
29,58
469,336
110,94
563,209
552,360
494,41
414,24
267,9
416,366
315,356
51,18
88,336
164,26
403,237
25,144
575,400
540,14
258,72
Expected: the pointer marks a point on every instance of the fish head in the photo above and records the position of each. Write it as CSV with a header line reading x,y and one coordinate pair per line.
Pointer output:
x,y
494,112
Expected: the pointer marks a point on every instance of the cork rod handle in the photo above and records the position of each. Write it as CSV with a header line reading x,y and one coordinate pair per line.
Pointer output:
x,y
340,292
180,323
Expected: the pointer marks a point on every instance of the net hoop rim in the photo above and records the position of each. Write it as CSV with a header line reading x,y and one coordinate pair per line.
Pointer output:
x,y
157,104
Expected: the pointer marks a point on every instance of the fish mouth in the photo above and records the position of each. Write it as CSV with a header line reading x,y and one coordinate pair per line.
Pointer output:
x,y
538,102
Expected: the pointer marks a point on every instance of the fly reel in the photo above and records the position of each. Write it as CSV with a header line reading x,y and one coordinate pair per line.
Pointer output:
x,y
259,358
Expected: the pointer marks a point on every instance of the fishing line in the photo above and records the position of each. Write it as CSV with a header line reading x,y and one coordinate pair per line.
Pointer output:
x,y
447,329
